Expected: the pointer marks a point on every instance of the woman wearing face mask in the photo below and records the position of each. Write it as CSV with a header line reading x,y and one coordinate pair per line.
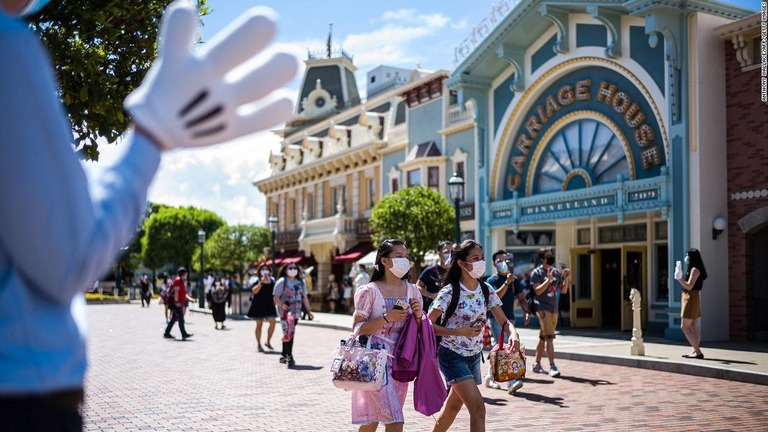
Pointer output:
x,y
460,350
381,308
262,305
690,298
289,293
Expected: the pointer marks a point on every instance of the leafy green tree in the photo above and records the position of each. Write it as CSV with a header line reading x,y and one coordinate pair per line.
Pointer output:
x,y
233,248
417,215
171,235
101,51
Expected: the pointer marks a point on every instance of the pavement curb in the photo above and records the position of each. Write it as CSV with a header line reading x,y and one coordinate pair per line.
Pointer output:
x,y
640,362
664,366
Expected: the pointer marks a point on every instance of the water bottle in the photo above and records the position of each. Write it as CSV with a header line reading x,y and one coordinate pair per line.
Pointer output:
x,y
678,270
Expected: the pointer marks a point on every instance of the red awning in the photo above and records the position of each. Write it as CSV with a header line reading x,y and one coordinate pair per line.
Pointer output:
x,y
294,256
355,253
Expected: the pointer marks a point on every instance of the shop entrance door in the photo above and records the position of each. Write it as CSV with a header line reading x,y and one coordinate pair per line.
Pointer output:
x,y
610,288
584,310
633,269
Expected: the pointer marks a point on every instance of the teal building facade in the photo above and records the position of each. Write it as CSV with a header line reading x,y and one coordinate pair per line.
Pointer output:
x,y
598,128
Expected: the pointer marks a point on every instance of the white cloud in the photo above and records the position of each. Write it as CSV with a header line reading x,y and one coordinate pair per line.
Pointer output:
x,y
461,25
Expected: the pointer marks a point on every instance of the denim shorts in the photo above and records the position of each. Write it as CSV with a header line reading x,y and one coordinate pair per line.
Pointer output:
x,y
457,368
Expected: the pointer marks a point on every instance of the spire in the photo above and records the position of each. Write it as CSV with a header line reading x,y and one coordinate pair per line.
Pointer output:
x,y
330,31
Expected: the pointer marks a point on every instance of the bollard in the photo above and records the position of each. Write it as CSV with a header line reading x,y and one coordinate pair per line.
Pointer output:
x,y
638,348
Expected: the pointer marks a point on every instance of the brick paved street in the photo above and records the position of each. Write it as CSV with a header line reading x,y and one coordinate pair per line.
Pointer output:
x,y
218,382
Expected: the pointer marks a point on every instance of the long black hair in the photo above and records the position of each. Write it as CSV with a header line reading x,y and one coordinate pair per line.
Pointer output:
x,y
694,260
283,271
459,253
385,248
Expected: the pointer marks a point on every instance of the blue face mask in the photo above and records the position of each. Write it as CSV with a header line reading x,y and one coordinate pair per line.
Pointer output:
x,y
33,7
503,267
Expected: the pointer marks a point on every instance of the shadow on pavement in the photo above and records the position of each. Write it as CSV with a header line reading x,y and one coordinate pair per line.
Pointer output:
x,y
538,381
593,383
496,402
557,401
728,362
306,367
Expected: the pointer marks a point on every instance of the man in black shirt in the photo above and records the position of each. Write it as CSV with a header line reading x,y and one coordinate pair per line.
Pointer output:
x,y
429,282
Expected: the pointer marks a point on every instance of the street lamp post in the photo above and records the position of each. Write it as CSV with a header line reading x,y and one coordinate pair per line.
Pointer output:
x,y
272,221
201,291
456,190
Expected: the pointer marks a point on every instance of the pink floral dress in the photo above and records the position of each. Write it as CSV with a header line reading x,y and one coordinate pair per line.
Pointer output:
x,y
385,405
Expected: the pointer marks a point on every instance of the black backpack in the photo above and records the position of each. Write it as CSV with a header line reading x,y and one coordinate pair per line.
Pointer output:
x,y
454,303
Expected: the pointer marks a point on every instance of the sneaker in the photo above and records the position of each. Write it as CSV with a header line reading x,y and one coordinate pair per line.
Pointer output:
x,y
268,345
187,336
261,349
168,336
537,369
490,383
283,359
291,361
553,372
514,386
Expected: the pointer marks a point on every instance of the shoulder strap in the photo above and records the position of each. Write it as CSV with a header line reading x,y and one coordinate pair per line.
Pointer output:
x,y
453,304
486,293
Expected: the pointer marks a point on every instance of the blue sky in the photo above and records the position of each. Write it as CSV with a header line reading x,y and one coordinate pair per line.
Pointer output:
x,y
394,32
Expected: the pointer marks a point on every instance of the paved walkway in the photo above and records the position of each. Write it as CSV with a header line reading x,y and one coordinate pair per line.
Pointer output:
x,y
735,361
216,381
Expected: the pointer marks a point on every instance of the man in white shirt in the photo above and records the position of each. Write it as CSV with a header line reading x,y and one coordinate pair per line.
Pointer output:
x,y
362,277
50,214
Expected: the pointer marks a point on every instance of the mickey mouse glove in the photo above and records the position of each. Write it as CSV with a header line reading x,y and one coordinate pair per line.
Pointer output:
x,y
193,98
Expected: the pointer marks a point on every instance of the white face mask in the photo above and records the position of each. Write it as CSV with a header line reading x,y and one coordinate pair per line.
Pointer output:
x,y
400,267
687,259
447,260
478,269
292,272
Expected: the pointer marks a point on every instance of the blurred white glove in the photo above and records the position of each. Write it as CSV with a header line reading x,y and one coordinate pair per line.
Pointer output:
x,y
192,98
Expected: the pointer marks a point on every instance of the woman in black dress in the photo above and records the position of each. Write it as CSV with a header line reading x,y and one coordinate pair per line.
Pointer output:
x,y
219,298
262,304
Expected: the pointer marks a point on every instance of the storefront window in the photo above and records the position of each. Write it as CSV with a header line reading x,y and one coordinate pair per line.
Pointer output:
x,y
661,231
583,236
530,238
622,233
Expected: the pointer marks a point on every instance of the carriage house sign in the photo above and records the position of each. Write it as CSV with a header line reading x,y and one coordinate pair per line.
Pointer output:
x,y
599,93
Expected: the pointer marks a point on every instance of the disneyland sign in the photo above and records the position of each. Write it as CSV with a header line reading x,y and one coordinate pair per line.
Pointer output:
x,y
575,204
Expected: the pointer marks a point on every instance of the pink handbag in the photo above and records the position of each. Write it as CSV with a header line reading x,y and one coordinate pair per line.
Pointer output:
x,y
357,367
507,365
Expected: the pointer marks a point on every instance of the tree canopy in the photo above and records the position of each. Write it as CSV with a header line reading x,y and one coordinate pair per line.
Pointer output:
x,y
101,51
171,235
417,215
233,248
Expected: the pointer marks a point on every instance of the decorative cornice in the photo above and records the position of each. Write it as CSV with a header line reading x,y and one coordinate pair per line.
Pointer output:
x,y
456,129
559,17
469,81
612,21
642,7
742,34
357,156
516,57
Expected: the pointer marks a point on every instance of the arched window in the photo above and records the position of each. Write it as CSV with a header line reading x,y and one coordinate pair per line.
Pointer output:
x,y
582,154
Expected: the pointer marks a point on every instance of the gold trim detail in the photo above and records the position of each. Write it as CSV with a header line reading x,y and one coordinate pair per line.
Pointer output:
x,y
577,172
564,121
537,88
